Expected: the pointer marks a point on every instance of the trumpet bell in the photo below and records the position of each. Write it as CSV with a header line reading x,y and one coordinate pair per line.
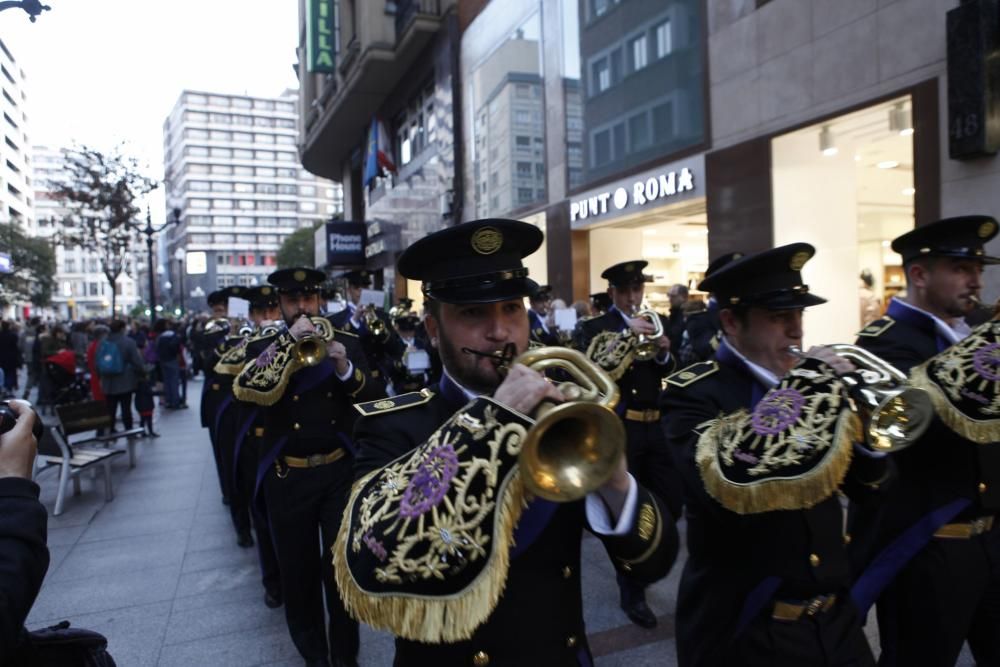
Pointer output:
x,y
572,449
897,419
310,350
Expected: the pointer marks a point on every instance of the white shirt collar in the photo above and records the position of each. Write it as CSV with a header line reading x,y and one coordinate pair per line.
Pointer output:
x,y
766,377
950,332
470,395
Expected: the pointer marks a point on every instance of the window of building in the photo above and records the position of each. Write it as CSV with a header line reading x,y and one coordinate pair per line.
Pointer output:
x,y
288,189
240,170
415,125
196,169
639,52
223,260
244,221
267,188
663,122
638,132
285,172
93,289
262,138
260,121
198,203
243,187
266,105
287,157
601,76
663,45
225,280
241,103
307,206
224,238
265,171
246,205
524,169
285,139
602,147
242,154
215,151
196,116
221,118
222,186
195,99
267,206
196,151
69,265
267,222
242,120
199,186
222,203
287,107
243,137
222,221
264,155
218,101
287,206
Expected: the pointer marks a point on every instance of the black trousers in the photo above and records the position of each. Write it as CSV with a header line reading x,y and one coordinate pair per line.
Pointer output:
x,y
305,510
832,638
948,593
650,462
225,442
246,479
125,401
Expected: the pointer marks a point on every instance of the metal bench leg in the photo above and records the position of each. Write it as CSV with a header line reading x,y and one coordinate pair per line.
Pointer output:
x,y
108,493
61,494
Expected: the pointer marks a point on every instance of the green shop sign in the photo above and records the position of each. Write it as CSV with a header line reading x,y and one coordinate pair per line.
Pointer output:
x,y
321,41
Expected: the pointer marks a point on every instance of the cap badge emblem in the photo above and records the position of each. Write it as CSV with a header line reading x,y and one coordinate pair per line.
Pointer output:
x,y
798,260
487,240
265,290
628,268
299,275
986,229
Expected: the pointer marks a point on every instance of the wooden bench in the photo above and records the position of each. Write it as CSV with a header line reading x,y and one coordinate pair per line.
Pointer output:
x,y
86,416
72,458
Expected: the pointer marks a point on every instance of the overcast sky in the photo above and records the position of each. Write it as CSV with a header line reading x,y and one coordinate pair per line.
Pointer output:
x,y
104,71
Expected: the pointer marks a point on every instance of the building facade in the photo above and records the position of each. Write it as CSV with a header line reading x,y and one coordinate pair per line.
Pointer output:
x,y
16,197
233,176
394,64
678,130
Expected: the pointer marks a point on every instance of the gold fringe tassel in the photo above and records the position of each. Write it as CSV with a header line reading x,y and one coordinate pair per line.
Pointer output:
x,y
428,619
980,432
801,492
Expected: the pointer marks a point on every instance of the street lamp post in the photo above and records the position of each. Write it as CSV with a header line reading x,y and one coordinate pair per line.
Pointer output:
x,y
179,255
149,230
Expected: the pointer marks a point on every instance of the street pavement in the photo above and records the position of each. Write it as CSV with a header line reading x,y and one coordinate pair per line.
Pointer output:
x,y
158,572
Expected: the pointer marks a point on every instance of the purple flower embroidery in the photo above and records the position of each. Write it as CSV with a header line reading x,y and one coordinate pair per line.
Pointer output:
x,y
778,410
986,362
430,483
375,546
267,356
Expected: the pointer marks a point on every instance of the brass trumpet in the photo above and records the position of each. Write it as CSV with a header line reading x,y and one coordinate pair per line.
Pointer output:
x,y
573,448
894,415
645,346
216,325
375,325
310,350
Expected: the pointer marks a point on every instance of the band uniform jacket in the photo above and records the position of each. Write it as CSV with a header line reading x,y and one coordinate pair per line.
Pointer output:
x,y
538,330
539,617
381,354
730,555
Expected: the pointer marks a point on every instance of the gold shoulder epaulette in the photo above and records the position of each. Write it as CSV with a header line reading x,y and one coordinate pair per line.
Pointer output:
x,y
384,405
878,327
693,373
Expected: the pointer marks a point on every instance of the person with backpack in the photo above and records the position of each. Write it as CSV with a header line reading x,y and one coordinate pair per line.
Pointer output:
x,y
120,366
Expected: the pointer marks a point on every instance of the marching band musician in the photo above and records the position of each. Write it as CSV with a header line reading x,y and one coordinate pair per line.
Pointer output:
x,y
266,318
301,431
435,546
382,347
939,527
540,304
408,375
640,383
768,570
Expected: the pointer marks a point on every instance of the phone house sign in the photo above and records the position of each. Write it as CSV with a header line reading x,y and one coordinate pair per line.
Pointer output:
x,y
666,185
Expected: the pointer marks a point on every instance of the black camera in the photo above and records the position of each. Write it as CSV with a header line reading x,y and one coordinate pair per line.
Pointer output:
x,y
8,418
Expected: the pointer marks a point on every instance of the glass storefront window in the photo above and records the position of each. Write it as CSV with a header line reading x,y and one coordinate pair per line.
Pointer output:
x,y
846,186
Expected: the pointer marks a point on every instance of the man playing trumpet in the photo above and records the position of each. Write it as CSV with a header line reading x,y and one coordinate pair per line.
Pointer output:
x,y
768,573
940,529
442,544
613,341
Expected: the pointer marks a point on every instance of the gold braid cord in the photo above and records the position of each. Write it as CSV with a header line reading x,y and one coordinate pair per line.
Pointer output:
x,y
613,351
233,357
791,452
263,380
964,384
424,547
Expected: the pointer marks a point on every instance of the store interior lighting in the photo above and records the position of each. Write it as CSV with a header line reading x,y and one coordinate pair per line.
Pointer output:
x,y
826,145
887,164
900,120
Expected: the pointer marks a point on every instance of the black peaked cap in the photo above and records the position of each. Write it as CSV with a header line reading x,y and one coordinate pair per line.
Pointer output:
x,y
770,279
961,237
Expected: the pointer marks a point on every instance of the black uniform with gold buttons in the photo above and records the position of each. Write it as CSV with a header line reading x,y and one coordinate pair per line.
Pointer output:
x,y
485,578
301,432
640,383
948,592
383,348
763,586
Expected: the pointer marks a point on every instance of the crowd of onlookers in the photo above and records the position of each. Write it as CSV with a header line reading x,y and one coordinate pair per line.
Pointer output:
x,y
63,363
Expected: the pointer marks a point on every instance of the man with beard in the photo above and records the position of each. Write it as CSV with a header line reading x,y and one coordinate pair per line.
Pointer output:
x,y
940,521
473,575
301,432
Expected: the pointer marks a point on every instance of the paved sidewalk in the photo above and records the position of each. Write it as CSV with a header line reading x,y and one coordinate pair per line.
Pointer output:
x,y
157,571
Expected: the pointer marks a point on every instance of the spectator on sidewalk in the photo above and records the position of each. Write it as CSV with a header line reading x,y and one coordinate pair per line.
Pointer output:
x,y
100,334
24,557
168,348
10,357
119,386
28,347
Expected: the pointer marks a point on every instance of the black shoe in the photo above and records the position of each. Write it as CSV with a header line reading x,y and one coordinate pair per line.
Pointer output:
x,y
272,599
342,662
321,662
153,434
639,613
244,539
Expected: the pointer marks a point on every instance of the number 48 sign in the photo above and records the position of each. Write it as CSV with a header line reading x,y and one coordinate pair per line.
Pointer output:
x,y
974,79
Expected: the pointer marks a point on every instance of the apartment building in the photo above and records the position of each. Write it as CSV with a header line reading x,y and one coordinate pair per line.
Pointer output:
x,y
232,173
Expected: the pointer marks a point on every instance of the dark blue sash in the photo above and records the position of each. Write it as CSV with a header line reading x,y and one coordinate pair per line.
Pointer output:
x,y
220,410
758,598
884,568
240,437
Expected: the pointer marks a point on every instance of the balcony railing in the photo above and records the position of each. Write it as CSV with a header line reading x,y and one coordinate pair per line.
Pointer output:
x,y
408,10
